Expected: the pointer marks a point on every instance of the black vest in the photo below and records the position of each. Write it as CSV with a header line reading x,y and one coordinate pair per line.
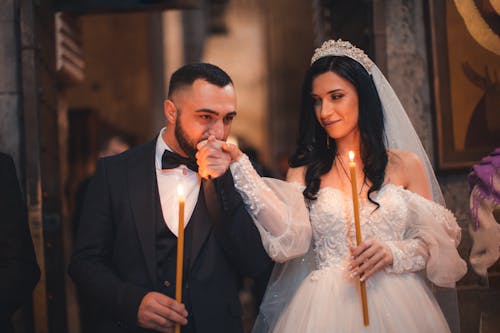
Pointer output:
x,y
166,255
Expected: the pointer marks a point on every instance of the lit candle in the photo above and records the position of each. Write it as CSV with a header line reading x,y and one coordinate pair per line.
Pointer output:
x,y
355,204
180,251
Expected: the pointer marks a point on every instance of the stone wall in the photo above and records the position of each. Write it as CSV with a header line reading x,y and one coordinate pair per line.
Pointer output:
x,y
290,44
10,90
118,83
408,71
407,65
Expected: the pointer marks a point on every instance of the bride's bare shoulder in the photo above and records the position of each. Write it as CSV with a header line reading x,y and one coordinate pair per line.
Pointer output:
x,y
296,174
406,169
403,158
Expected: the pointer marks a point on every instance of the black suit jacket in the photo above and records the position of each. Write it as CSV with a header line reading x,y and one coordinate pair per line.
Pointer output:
x,y
19,271
114,261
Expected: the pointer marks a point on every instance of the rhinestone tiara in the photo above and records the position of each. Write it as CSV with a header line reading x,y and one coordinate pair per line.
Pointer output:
x,y
342,48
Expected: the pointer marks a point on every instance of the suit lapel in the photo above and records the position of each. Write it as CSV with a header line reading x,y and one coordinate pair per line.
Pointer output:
x,y
203,223
143,192
144,200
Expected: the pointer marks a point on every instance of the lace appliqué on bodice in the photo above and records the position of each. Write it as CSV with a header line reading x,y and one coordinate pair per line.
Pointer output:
x,y
333,230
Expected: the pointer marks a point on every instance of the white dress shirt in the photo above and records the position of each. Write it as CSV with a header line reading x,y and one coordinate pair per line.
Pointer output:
x,y
167,188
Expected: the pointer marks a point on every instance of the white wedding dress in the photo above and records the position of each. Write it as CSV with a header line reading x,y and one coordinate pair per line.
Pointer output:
x,y
421,234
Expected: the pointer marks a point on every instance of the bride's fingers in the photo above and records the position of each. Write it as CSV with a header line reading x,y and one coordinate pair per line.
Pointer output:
x,y
362,253
232,150
368,263
374,269
356,251
379,261
369,257
372,265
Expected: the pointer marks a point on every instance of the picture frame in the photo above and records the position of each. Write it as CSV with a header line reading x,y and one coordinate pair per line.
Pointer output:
x,y
466,82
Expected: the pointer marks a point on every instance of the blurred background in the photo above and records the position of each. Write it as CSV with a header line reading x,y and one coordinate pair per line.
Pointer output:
x,y
75,73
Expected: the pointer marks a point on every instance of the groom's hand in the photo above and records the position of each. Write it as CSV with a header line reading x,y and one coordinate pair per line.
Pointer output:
x,y
160,313
212,160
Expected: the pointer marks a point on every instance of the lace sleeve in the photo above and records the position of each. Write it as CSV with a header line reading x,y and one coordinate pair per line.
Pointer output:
x,y
430,240
408,255
278,210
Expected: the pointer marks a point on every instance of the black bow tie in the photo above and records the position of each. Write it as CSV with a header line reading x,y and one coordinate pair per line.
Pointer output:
x,y
170,160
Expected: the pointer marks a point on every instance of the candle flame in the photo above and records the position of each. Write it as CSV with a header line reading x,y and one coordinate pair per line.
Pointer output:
x,y
180,190
351,155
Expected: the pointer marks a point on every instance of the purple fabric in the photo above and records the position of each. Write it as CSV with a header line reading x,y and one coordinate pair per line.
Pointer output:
x,y
482,175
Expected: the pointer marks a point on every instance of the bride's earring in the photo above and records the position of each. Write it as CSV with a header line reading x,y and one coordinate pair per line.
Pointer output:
x,y
327,142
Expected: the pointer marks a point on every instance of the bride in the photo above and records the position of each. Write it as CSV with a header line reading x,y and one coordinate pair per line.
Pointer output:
x,y
307,223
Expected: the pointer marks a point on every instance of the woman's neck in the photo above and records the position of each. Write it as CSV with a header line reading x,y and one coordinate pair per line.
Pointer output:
x,y
348,143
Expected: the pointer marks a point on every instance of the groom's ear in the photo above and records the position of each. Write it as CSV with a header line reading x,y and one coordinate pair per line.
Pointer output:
x,y
170,111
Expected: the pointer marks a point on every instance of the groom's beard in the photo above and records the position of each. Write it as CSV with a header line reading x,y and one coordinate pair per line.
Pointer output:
x,y
182,138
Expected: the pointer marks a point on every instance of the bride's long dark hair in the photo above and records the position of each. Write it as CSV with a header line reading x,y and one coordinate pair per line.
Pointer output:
x,y
312,148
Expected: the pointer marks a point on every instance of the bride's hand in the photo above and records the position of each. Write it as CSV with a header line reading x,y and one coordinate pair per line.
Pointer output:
x,y
369,257
232,150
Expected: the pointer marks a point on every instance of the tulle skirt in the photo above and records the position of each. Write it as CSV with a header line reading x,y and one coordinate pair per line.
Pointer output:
x,y
329,301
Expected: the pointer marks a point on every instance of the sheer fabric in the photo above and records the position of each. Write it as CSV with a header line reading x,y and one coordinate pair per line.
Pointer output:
x,y
278,210
421,234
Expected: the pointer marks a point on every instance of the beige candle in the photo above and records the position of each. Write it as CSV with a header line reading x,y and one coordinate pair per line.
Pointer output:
x,y
180,251
355,204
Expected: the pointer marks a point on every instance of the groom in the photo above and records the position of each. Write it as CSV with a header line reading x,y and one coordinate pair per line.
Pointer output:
x,y
125,254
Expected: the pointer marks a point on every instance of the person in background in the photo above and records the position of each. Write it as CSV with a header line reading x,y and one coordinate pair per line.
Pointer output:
x,y
484,188
116,144
19,271
112,145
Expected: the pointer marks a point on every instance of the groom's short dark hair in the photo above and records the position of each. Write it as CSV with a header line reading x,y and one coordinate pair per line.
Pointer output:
x,y
187,74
